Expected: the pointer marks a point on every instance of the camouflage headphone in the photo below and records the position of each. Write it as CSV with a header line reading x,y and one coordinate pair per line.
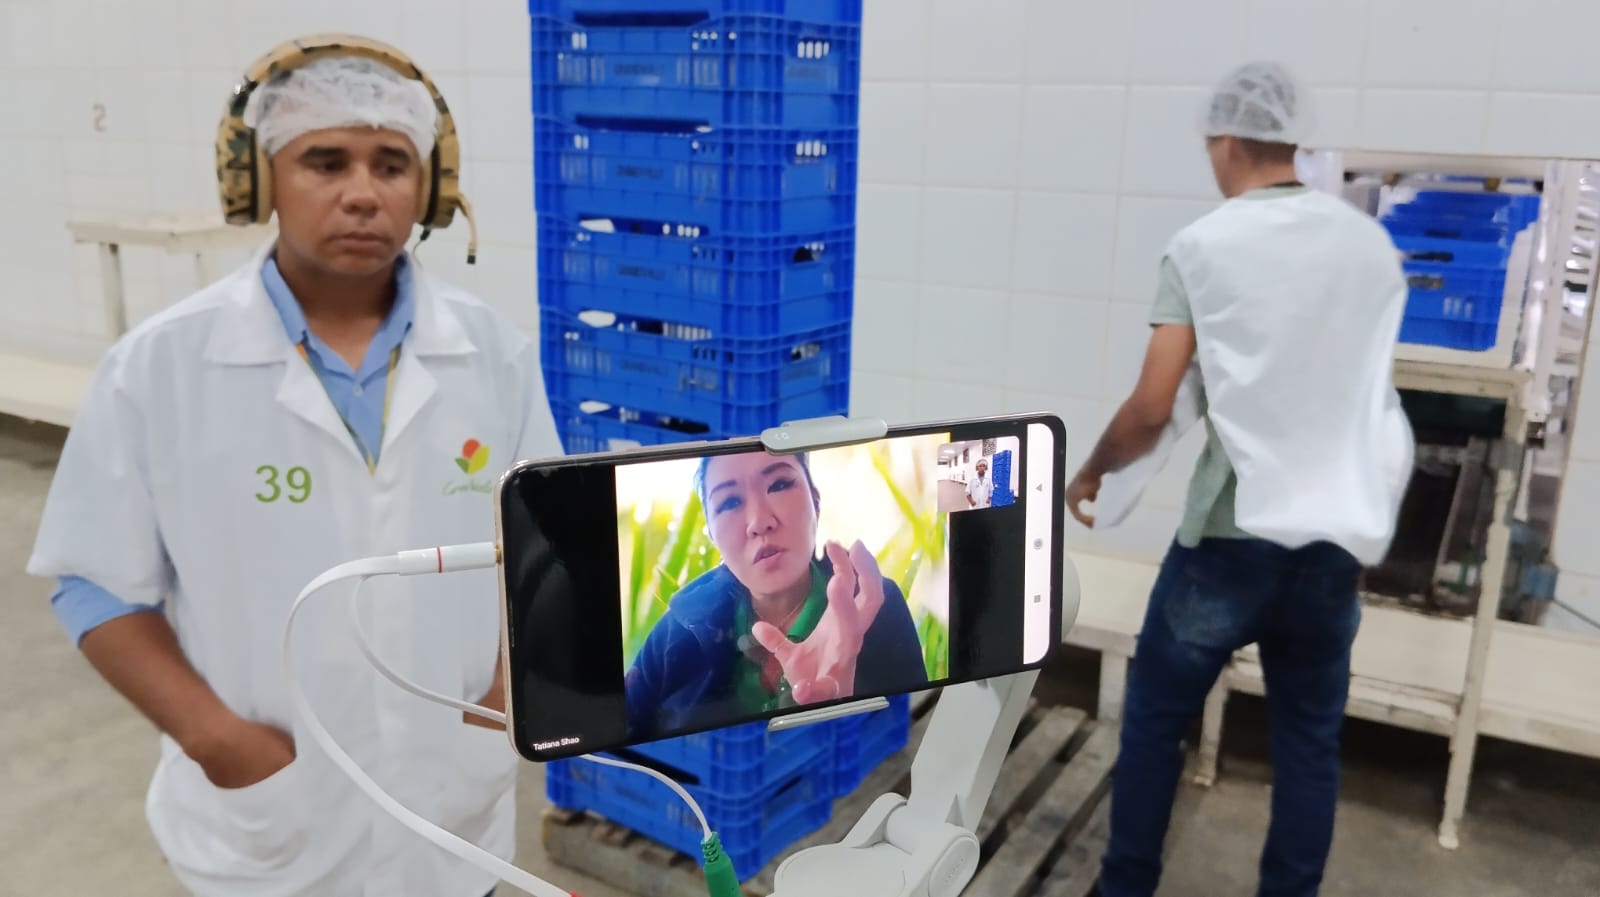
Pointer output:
x,y
244,179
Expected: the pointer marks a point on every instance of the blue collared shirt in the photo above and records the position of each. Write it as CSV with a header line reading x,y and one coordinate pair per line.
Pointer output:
x,y
358,394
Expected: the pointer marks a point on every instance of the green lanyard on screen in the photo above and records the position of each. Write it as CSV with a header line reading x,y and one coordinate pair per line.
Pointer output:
x,y
383,423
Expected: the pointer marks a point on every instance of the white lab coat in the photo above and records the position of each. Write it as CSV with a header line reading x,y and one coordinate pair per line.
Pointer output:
x,y
1297,303
165,490
980,489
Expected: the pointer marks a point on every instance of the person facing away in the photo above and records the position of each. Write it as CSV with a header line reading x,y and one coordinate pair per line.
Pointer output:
x,y
328,401
1288,303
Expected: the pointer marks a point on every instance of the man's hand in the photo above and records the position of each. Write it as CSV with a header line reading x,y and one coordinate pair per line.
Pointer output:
x,y
1085,487
240,753
1136,427
823,667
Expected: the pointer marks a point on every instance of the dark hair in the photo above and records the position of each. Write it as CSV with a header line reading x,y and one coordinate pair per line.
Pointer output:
x,y
705,462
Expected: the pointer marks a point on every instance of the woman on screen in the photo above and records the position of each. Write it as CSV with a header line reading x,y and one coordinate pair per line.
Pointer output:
x,y
777,624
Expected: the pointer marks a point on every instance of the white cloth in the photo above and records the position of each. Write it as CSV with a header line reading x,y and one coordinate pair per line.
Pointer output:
x,y
208,467
1297,303
1121,490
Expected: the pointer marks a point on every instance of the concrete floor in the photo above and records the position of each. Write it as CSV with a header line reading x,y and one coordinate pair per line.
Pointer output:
x,y
74,759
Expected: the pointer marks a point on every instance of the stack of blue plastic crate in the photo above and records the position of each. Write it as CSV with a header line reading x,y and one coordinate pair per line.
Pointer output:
x,y
1002,495
695,182
1457,248
761,791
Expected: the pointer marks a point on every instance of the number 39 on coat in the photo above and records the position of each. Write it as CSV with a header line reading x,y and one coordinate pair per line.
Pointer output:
x,y
293,484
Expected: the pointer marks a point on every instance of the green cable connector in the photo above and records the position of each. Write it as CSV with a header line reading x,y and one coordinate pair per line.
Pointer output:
x,y
720,878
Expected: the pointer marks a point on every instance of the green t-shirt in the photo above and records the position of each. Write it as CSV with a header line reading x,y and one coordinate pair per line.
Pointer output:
x,y
753,697
1209,510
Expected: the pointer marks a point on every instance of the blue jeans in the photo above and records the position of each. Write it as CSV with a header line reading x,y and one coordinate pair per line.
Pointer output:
x,y
1302,607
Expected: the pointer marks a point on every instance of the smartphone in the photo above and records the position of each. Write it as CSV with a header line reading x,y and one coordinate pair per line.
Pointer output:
x,y
658,592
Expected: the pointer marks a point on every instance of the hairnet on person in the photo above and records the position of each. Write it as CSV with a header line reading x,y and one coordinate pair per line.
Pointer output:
x,y
341,92
1259,101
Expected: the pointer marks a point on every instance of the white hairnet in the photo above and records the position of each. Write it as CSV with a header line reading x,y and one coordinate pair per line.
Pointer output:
x,y
1259,101
341,92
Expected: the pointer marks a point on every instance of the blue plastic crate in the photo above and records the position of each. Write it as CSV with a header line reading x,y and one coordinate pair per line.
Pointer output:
x,y
736,286
1467,202
1449,228
842,11
734,319
866,740
744,759
1464,335
1426,280
1460,254
588,427
735,387
1002,496
1453,308
754,828
1516,217
733,71
752,181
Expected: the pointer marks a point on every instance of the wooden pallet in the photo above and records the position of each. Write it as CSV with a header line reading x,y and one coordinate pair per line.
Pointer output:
x,y
1042,832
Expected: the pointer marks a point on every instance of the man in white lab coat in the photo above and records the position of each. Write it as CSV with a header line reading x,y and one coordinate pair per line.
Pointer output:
x,y
1287,303
980,489
329,401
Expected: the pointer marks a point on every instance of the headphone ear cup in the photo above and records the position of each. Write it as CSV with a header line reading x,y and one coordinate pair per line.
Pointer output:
x,y
427,195
261,174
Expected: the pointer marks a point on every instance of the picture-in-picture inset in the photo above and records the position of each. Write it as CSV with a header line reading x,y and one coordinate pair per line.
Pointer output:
x,y
978,474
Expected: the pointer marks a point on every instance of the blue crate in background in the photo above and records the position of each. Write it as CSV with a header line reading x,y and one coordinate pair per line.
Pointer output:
x,y
1476,217
1456,309
1434,227
1003,496
1454,254
752,181
736,286
592,426
1456,289
1510,206
735,387
732,71
745,759
716,318
865,740
754,828
839,11
1464,335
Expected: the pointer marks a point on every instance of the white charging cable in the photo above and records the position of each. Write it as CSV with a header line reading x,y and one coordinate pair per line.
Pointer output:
x,y
447,559
496,716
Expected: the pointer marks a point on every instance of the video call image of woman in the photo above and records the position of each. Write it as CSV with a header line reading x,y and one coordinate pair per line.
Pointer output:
x,y
781,622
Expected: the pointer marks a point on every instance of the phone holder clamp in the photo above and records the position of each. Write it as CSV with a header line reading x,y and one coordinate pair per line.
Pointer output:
x,y
924,846
822,432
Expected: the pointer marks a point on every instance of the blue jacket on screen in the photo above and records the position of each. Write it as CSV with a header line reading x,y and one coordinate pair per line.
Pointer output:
x,y
684,675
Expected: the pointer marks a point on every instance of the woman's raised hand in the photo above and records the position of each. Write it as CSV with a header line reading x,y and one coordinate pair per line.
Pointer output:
x,y
823,666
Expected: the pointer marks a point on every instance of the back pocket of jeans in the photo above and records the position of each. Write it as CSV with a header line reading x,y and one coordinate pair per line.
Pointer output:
x,y
1218,602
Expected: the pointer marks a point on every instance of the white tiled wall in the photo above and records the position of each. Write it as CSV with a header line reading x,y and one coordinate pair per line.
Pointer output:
x,y
1060,226
1022,164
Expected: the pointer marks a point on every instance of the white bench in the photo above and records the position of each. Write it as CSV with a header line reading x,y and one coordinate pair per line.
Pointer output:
x,y
51,391
1408,669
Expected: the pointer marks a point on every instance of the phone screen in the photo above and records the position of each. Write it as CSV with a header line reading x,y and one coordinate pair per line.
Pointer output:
x,y
694,588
